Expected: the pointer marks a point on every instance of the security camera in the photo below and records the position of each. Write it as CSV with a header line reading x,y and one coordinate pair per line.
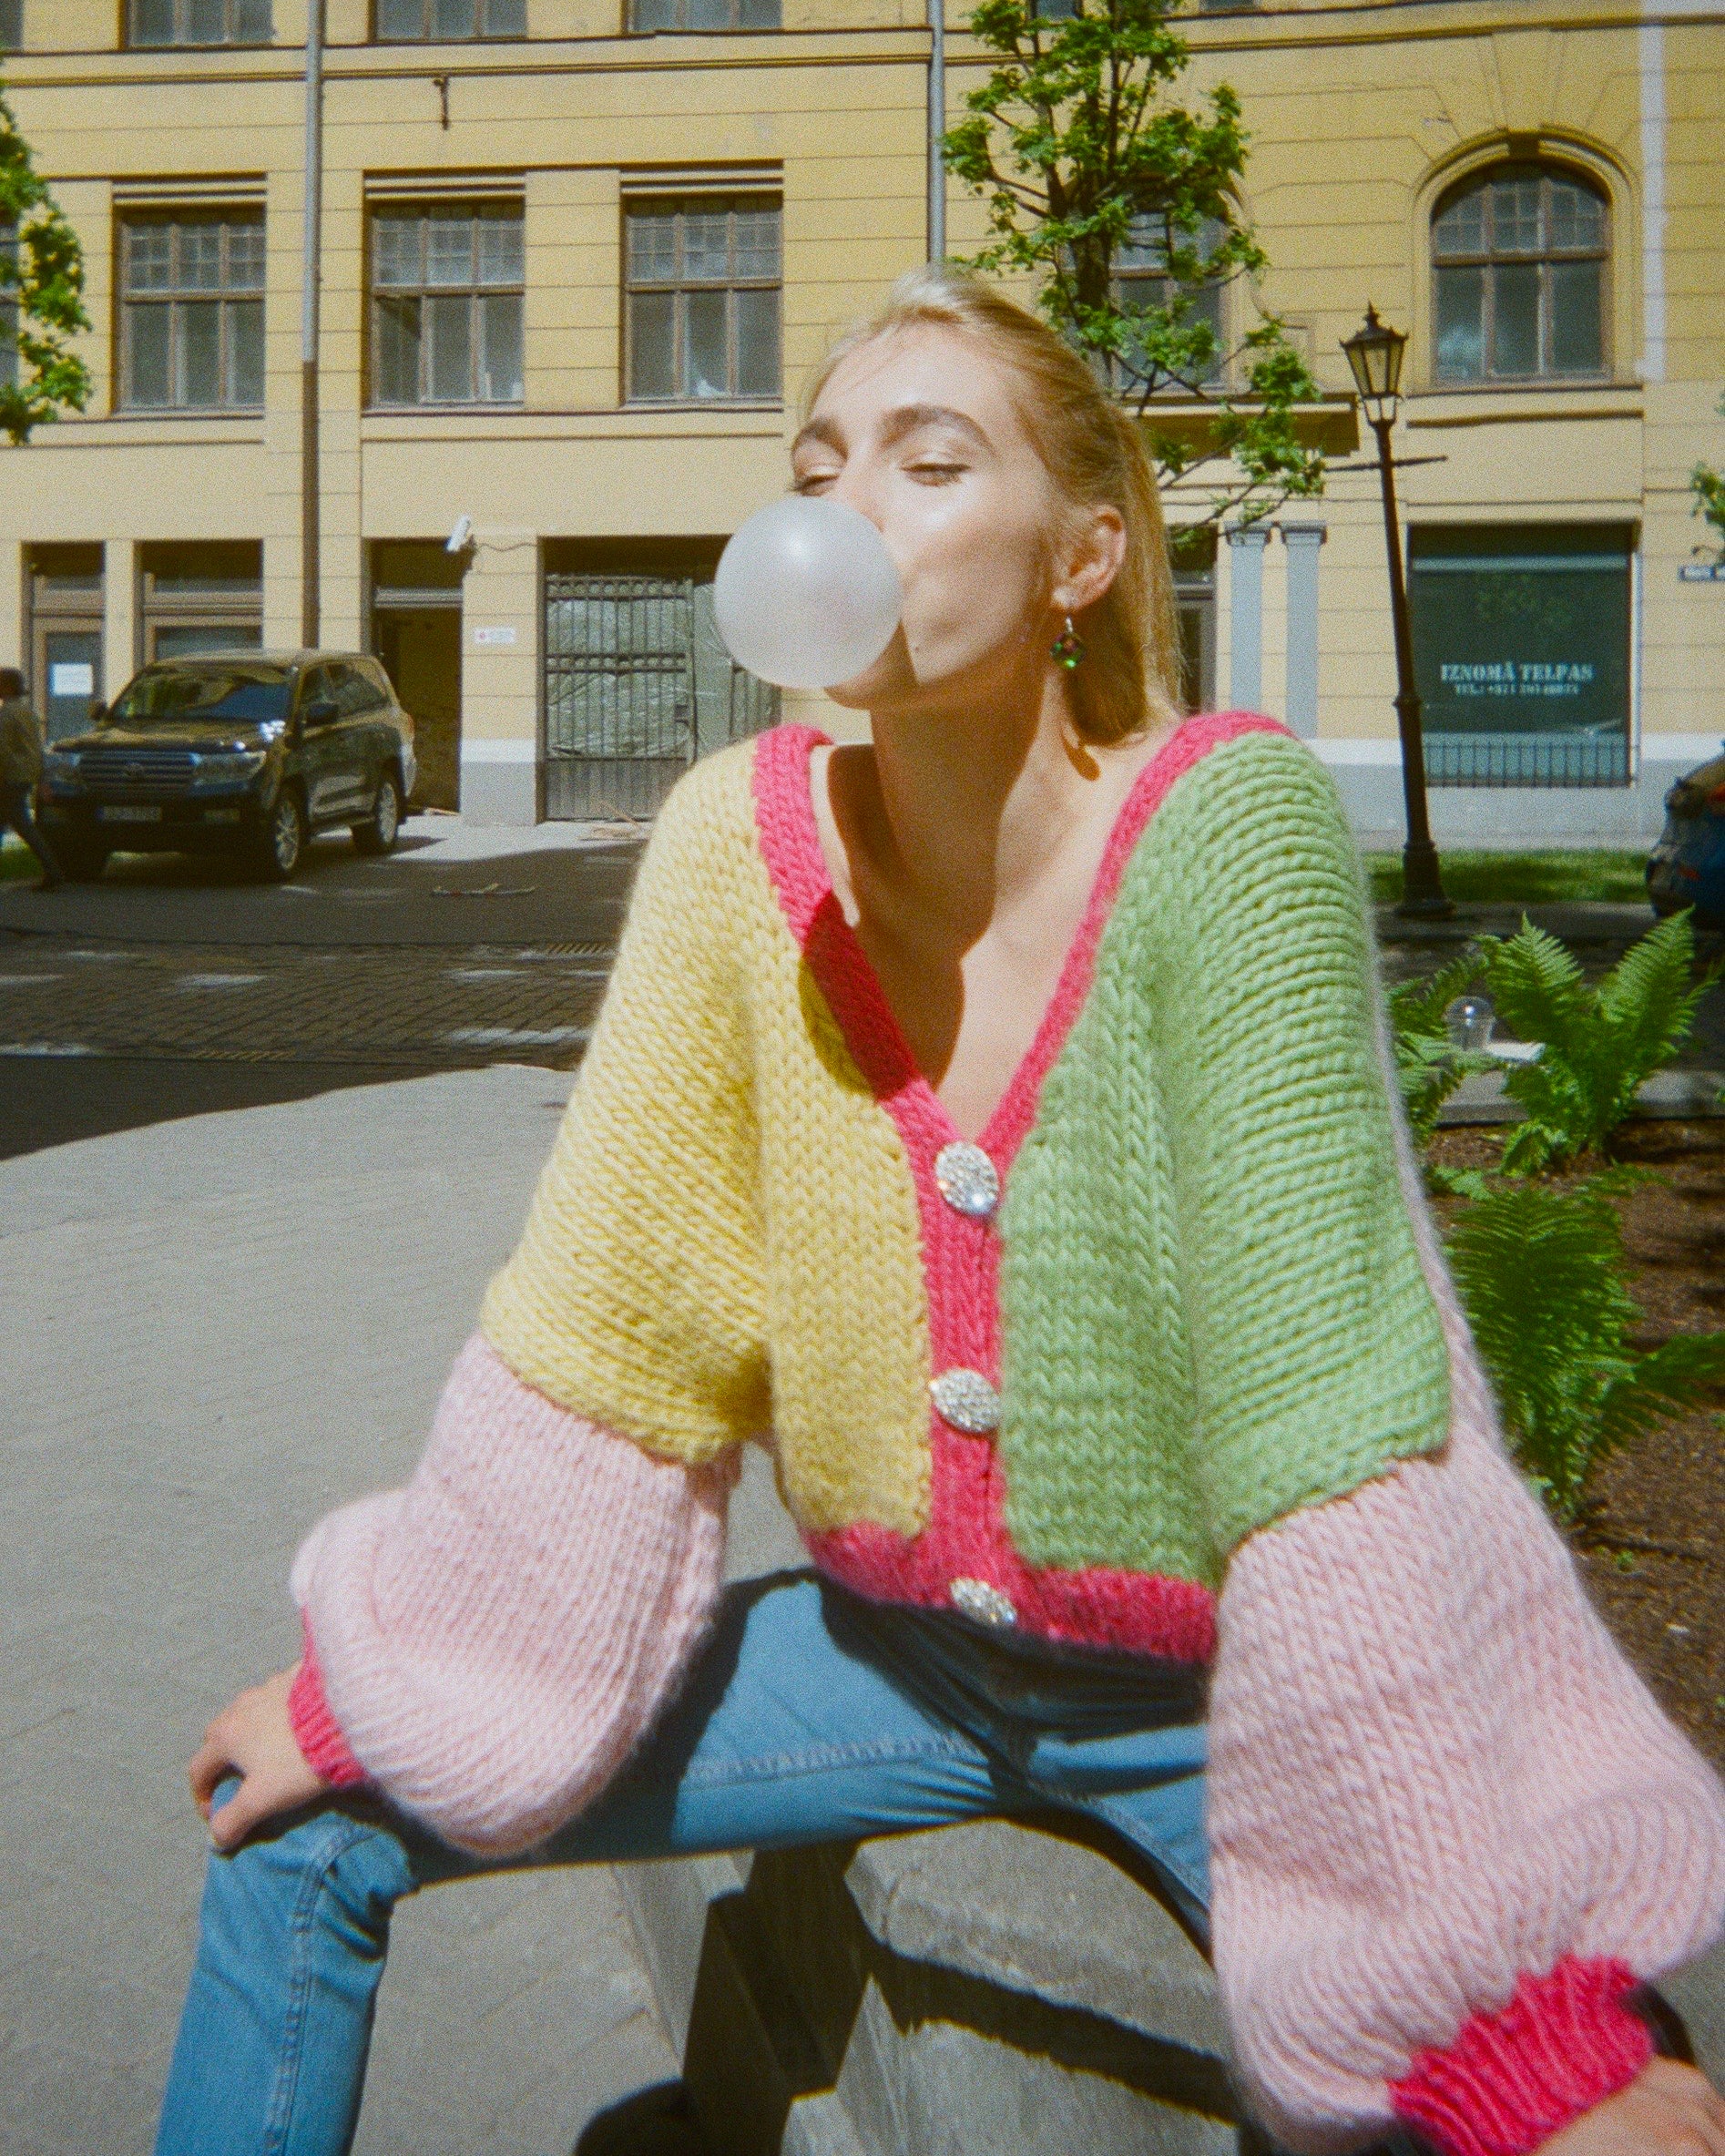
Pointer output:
x,y
462,535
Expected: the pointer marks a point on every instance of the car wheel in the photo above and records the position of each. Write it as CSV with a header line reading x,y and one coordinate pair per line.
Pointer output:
x,y
382,828
81,860
282,847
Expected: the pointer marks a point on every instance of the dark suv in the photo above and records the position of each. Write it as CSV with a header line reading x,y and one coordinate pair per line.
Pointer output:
x,y
242,752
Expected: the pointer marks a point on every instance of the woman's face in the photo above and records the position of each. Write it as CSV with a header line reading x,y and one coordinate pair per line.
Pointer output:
x,y
918,430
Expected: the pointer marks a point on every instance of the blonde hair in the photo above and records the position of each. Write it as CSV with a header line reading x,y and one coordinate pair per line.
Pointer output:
x,y
1095,454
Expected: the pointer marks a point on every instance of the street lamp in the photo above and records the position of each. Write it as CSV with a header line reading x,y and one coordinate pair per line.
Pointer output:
x,y
1374,353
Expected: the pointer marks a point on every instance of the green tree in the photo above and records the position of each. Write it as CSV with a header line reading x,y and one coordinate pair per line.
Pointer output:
x,y
41,295
1708,489
1082,151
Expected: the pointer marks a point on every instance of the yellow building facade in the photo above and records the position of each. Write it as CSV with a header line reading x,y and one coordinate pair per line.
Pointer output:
x,y
575,257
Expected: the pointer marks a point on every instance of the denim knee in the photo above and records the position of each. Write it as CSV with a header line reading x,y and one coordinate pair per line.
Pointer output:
x,y
330,1872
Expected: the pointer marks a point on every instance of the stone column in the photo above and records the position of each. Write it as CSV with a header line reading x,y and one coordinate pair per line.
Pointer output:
x,y
1246,615
1303,541
122,652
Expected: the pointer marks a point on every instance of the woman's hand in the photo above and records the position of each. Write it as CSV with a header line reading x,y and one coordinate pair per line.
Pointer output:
x,y
252,1737
1667,2110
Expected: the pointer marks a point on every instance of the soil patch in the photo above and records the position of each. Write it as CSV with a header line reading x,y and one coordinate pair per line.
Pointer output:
x,y
1651,1550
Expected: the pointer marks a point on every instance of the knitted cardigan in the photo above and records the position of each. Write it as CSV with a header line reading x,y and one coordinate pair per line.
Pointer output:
x,y
1167,1360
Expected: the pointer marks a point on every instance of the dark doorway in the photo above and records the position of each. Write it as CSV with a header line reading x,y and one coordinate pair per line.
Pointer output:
x,y
416,632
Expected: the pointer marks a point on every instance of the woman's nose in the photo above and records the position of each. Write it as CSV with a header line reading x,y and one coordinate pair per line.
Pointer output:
x,y
856,488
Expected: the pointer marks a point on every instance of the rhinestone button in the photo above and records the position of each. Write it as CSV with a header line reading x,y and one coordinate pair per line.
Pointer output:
x,y
967,1401
987,1604
968,1179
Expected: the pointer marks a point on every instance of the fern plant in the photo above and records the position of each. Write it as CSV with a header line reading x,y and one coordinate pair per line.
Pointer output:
x,y
1428,1063
1542,1275
1597,1045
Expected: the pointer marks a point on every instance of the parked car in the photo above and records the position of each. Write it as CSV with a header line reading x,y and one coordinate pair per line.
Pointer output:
x,y
245,752
1688,866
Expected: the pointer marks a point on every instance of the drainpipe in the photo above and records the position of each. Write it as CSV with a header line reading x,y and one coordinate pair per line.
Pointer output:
x,y
936,128
309,569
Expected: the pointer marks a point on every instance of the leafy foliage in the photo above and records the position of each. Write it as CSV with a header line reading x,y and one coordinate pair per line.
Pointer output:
x,y
1080,151
41,294
1428,1063
1542,1274
1707,486
1599,1043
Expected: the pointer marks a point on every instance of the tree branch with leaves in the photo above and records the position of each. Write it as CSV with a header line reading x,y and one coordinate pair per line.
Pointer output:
x,y
1707,486
41,295
1084,156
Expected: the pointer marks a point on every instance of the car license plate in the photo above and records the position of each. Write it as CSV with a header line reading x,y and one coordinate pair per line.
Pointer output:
x,y
130,815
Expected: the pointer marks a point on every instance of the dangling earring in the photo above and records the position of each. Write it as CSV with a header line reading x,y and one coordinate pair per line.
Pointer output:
x,y
1068,648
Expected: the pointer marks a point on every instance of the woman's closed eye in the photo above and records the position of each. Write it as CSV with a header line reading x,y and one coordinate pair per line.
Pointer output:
x,y
930,472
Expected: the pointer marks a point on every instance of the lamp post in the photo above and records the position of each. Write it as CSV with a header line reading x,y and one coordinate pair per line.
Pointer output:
x,y
1374,353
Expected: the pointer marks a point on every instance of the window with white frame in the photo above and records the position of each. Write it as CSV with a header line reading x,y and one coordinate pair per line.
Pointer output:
x,y
701,300
1141,280
1518,265
191,310
446,303
200,22
447,20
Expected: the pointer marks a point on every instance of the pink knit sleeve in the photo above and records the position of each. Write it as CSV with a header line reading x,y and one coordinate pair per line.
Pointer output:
x,y
489,1643
1450,1828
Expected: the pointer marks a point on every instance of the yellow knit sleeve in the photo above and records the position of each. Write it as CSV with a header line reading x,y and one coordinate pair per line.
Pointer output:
x,y
636,1296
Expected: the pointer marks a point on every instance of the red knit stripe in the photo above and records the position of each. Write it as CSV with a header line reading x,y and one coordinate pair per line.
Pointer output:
x,y
316,1730
1511,2080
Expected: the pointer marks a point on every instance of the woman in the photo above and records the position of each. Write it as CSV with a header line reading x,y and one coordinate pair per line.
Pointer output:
x,y
995,1120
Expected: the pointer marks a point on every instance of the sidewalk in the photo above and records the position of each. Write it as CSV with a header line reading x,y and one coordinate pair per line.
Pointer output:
x,y
219,1328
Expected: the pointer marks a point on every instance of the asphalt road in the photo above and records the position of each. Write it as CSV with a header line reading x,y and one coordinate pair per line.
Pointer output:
x,y
177,988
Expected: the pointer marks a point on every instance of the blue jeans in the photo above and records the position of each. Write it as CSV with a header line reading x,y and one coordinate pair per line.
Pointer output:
x,y
811,1717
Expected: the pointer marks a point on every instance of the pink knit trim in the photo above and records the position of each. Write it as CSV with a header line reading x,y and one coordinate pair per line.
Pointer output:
x,y
316,1730
1512,2080
967,1535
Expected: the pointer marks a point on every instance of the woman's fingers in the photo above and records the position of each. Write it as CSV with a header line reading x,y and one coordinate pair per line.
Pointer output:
x,y
253,1738
1667,2110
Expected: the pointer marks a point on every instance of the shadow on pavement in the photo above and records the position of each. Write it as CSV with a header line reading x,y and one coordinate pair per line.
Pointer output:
x,y
51,1101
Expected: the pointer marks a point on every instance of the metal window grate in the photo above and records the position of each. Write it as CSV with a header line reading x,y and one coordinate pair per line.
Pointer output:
x,y
637,685
1527,760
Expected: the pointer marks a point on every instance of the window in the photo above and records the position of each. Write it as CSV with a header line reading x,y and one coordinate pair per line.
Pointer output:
x,y
1141,280
203,594
10,25
446,294
702,299
433,19
65,588
1518,262
1521,645
200,22
191,317
705,15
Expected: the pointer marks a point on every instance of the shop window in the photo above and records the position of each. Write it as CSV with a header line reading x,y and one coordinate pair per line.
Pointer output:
x,y
202,595
192,311
1141,279
1521,644
64,592
1518,263
200,22
1192,553
446,20
702,299
446,303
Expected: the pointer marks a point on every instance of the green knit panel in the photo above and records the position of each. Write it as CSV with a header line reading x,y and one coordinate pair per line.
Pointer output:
x,y
1213,1310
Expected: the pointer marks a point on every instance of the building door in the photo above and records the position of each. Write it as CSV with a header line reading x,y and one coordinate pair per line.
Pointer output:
x,y
66,635
1193,553
637,686
416,632
421,651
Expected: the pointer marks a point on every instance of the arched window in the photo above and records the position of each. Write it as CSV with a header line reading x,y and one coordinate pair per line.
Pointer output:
x,y
1518,258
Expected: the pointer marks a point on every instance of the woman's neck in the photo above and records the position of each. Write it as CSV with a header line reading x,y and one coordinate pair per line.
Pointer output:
x,y
962,818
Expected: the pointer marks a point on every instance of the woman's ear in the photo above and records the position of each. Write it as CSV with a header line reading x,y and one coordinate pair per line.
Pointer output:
x,y
1091,561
